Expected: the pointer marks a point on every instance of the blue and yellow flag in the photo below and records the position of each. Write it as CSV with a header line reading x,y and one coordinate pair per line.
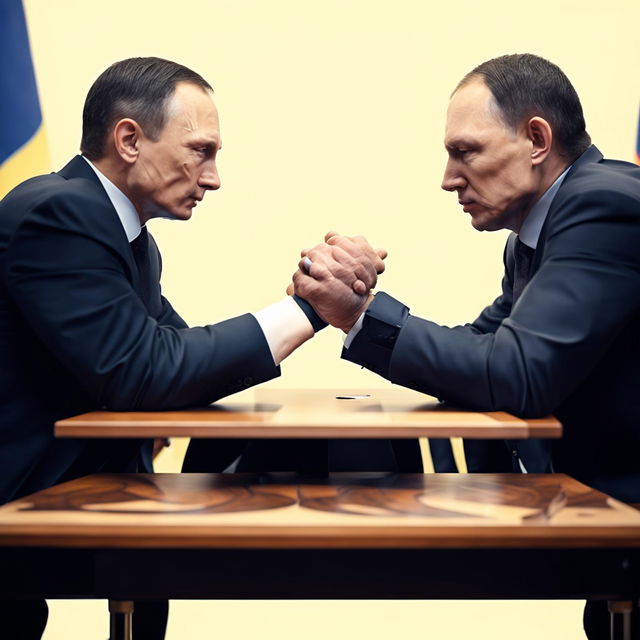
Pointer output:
x,y
23,147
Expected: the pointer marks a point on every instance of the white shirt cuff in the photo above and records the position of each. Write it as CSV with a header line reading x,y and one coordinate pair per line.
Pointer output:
x,y
285,327
353,332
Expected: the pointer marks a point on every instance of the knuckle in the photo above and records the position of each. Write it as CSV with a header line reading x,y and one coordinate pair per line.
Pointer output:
x,y
320,271
318,252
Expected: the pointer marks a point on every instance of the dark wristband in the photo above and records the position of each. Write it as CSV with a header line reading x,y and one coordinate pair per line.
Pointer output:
x,y
316,321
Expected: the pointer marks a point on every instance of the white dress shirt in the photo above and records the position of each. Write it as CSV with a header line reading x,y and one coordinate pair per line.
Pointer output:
x,y
284,324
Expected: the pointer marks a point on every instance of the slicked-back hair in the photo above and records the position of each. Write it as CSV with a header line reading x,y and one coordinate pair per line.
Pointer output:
x,y
136,88
524,86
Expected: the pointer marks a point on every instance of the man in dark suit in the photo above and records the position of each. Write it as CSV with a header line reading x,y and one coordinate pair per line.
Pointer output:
x,y
562,337
83,323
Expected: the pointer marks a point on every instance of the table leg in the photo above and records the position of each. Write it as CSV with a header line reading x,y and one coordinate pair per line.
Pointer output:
x,y
620,611
120,613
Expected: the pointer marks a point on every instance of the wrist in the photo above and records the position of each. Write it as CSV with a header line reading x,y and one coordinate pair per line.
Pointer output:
x,y
316,321
348,325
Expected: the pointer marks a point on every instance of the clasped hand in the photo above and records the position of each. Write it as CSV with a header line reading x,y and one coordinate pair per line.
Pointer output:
x,y
339,280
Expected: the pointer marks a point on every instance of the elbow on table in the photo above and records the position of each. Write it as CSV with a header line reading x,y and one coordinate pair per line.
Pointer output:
x,y
138,397
527,404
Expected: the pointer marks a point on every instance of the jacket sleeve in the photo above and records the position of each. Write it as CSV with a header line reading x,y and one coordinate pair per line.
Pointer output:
x,y
73,287
492,316
169,316
167,313
585,292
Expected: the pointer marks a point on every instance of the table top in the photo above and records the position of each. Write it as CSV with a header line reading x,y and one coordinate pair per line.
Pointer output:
x,y
392,412
345,510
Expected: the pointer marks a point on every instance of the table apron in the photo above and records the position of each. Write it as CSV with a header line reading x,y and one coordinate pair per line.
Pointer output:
x,y
611,574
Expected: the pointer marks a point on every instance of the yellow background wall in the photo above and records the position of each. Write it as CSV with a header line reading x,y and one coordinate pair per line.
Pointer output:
x,y
332,118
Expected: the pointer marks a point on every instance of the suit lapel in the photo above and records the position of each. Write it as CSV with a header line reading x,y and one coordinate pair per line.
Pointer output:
x,y
79,169
592,154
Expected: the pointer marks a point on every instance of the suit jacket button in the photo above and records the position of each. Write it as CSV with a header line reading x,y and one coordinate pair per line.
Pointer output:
x,y
248,381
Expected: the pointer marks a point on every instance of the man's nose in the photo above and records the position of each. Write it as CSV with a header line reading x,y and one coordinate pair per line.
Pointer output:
x,y
452,179
209,178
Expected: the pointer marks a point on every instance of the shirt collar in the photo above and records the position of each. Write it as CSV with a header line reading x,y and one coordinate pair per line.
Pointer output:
x,y
124,207
532,226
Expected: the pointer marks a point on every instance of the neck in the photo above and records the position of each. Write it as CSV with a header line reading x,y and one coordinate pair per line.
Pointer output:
x,y
118,174
549,171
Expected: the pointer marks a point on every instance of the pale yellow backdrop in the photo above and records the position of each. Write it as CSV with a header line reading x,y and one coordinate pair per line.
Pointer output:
x,y
332,118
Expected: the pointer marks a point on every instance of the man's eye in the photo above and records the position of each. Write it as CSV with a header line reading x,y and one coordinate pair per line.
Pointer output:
x,y
461,154
202,151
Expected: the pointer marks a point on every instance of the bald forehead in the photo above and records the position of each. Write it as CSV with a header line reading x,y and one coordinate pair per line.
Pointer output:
x,y
189,96
472,112
193,118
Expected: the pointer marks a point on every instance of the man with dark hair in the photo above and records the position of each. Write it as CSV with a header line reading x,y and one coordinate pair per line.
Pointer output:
x,y
537,87
137,88
562,337
83,323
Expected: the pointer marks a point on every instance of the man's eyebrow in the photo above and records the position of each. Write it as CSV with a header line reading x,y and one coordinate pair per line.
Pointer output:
x,y
212,143
456,143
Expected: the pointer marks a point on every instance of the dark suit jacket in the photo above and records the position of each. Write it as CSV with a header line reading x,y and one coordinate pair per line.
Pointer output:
x,y
569,346
76,336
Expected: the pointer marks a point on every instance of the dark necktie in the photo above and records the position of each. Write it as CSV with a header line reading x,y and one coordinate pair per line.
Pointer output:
x,y
533,453
521,273
140,249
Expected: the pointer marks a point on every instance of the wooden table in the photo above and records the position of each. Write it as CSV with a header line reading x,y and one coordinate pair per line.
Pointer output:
x,y
393,412
269,537
126,537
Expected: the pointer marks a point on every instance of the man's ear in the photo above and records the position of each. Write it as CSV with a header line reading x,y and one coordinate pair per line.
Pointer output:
x,y
541,136
126,139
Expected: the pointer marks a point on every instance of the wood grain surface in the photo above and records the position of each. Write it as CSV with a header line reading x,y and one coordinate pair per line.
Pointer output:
x,y
338,511
393,412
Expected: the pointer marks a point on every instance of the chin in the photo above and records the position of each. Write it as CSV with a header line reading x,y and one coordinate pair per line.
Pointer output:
x,y
479,224
487,222
178,215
